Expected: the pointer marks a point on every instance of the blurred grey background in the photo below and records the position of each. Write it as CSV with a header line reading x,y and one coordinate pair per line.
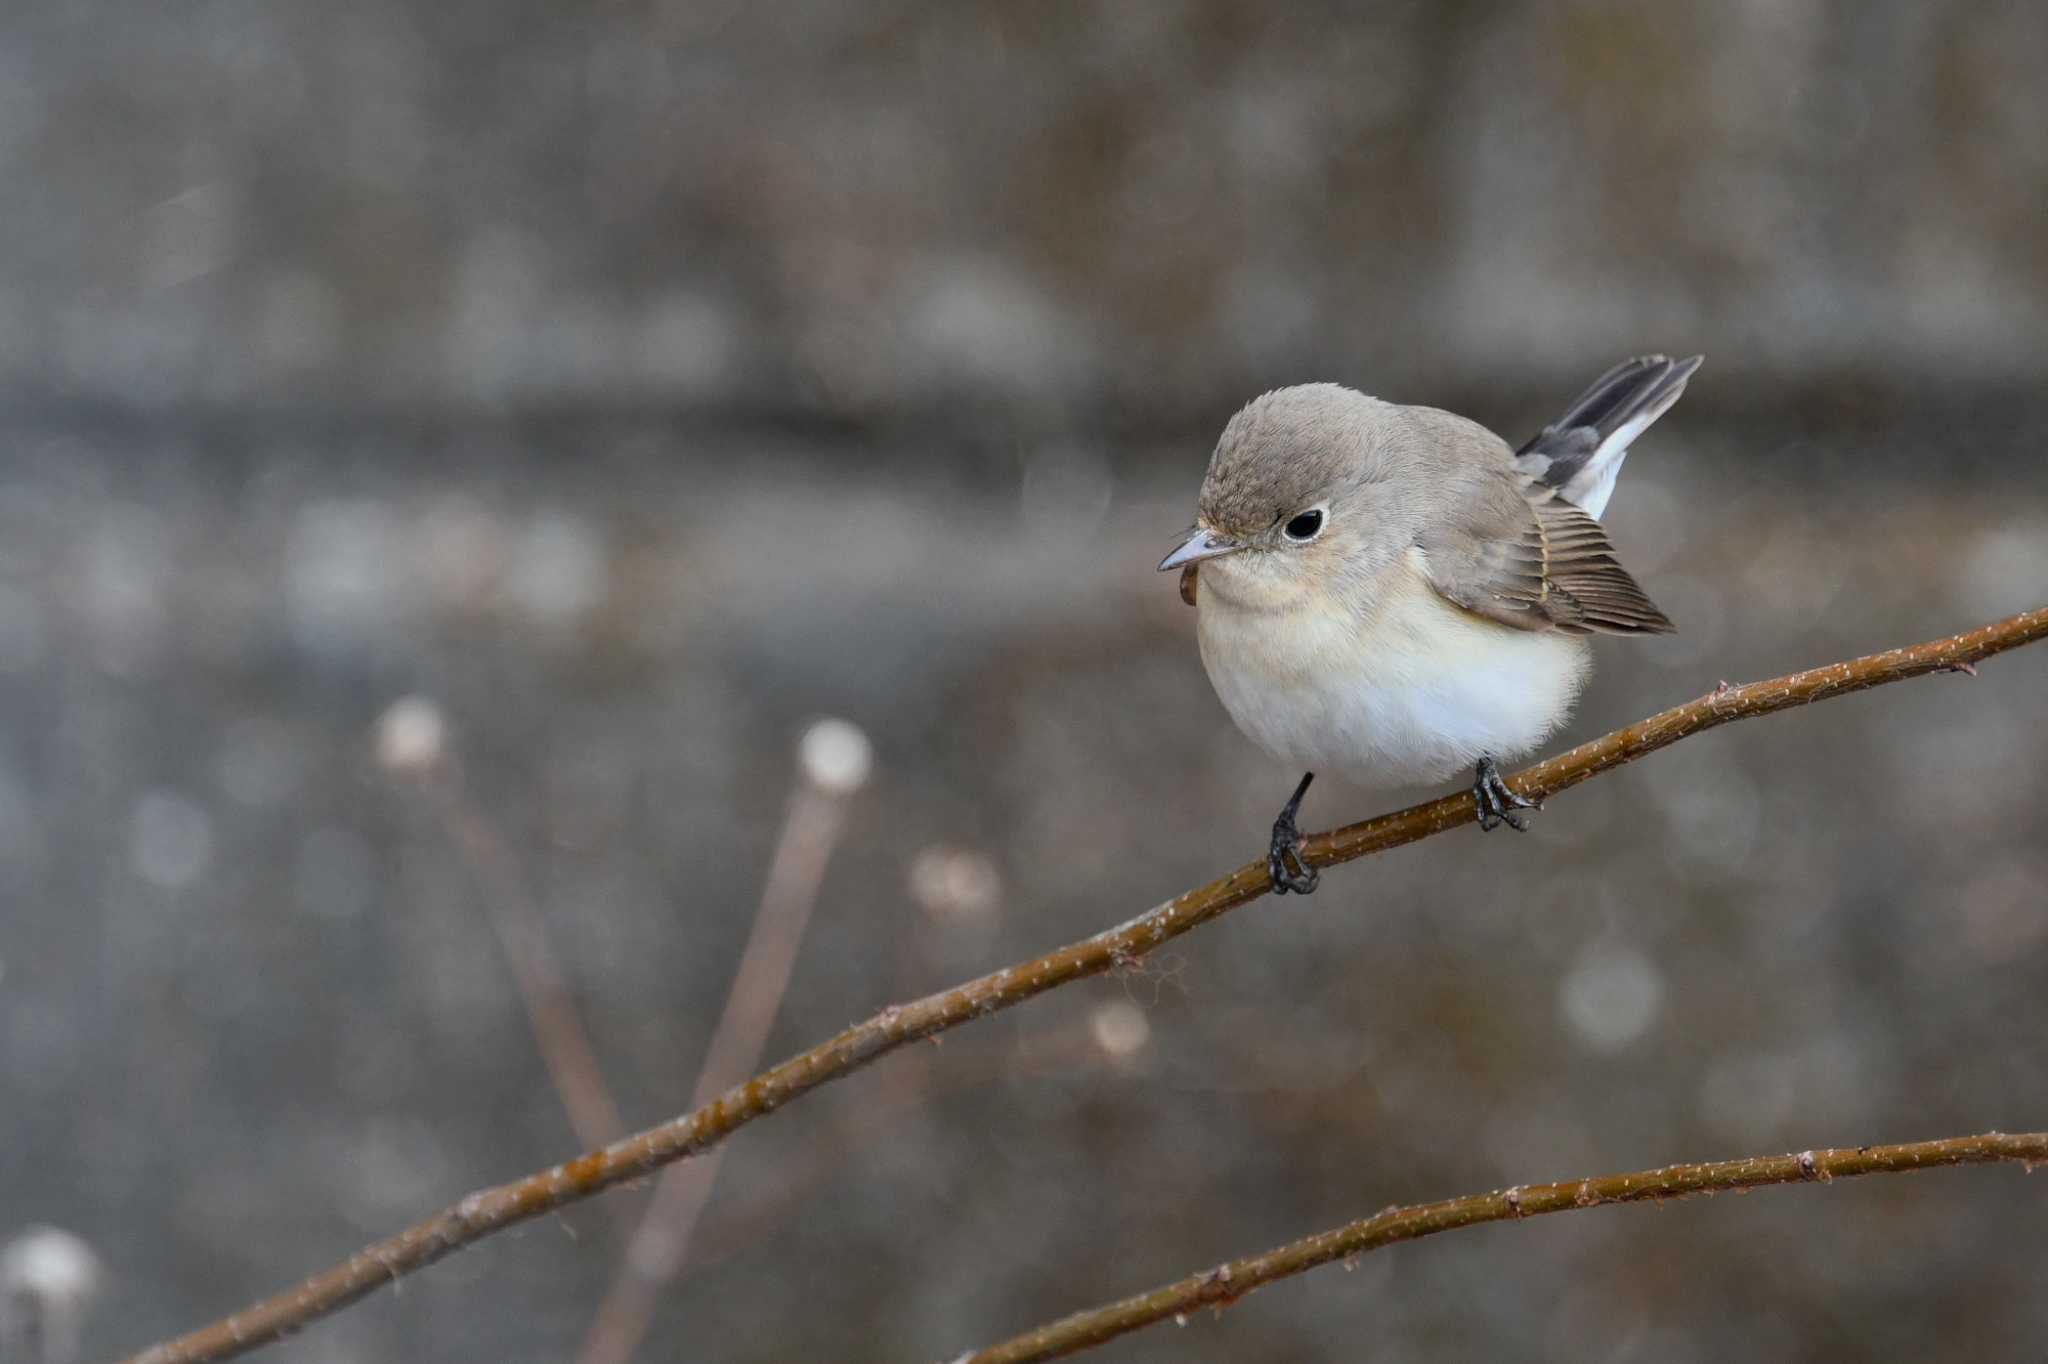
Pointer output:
x,y
641,381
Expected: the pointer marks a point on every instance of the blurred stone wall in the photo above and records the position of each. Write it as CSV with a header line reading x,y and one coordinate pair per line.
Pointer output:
x,y
848,208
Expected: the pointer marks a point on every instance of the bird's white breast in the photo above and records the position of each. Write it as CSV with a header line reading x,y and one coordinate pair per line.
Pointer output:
x,y
1410,689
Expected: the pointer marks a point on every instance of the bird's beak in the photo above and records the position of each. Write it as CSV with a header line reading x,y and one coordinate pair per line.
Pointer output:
x,y
1202,543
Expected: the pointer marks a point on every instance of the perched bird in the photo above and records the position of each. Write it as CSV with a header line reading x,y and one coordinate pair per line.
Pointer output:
x,y
1390,591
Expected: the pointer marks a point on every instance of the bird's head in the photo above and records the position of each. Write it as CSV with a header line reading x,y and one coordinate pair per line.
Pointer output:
x,y
1298,497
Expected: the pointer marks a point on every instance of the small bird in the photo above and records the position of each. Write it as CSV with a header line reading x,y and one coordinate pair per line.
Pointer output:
x,y
1391,592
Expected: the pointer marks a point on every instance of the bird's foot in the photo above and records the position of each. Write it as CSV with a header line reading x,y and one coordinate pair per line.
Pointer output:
x,y
1497,804
1286,847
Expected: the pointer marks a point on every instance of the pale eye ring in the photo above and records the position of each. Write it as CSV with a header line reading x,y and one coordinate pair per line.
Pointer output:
x,y
1305,526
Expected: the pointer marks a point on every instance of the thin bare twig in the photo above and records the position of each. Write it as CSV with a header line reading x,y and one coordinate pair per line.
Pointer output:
x,y
1224,1284
833,763
493,1209
412,745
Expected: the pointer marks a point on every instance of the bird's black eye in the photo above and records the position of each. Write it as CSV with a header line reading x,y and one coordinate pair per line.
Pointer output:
x,y
1305,526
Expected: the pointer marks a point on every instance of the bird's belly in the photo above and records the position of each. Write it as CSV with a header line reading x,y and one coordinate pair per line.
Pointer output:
x,y
1418,692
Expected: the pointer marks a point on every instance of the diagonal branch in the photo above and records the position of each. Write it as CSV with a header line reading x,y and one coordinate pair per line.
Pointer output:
x,y
493,1209
1226,1283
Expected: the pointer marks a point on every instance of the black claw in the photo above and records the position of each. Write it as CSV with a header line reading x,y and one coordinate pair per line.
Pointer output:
x,y
1497,804
1286,847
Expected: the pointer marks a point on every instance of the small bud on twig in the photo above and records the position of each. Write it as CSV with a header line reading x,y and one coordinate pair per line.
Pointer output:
x,y
955,885
412,737
48,1277
836,756
1120,1028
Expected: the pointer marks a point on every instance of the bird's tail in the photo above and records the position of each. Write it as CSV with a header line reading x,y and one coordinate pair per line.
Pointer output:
x,y
1580,454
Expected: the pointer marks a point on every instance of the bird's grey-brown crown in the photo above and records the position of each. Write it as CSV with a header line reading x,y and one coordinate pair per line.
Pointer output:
x,y
1286,450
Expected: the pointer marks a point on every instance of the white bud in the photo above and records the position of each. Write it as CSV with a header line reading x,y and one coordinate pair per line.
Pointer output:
x,y
836,756
412,737
47,1279
955,885
1611,996
1120,1028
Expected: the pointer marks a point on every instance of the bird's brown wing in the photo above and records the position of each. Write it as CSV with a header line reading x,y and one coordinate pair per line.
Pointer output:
x,y
1525,557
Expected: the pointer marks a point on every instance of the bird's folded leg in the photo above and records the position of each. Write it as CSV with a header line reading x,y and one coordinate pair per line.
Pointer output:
x,y
1497,804
1286,847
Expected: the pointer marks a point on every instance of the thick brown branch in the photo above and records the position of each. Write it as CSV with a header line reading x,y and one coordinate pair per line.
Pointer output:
x,y
1226,1283
491,1210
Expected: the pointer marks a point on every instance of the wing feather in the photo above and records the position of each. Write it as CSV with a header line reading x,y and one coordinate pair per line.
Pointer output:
x,y
1525,557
